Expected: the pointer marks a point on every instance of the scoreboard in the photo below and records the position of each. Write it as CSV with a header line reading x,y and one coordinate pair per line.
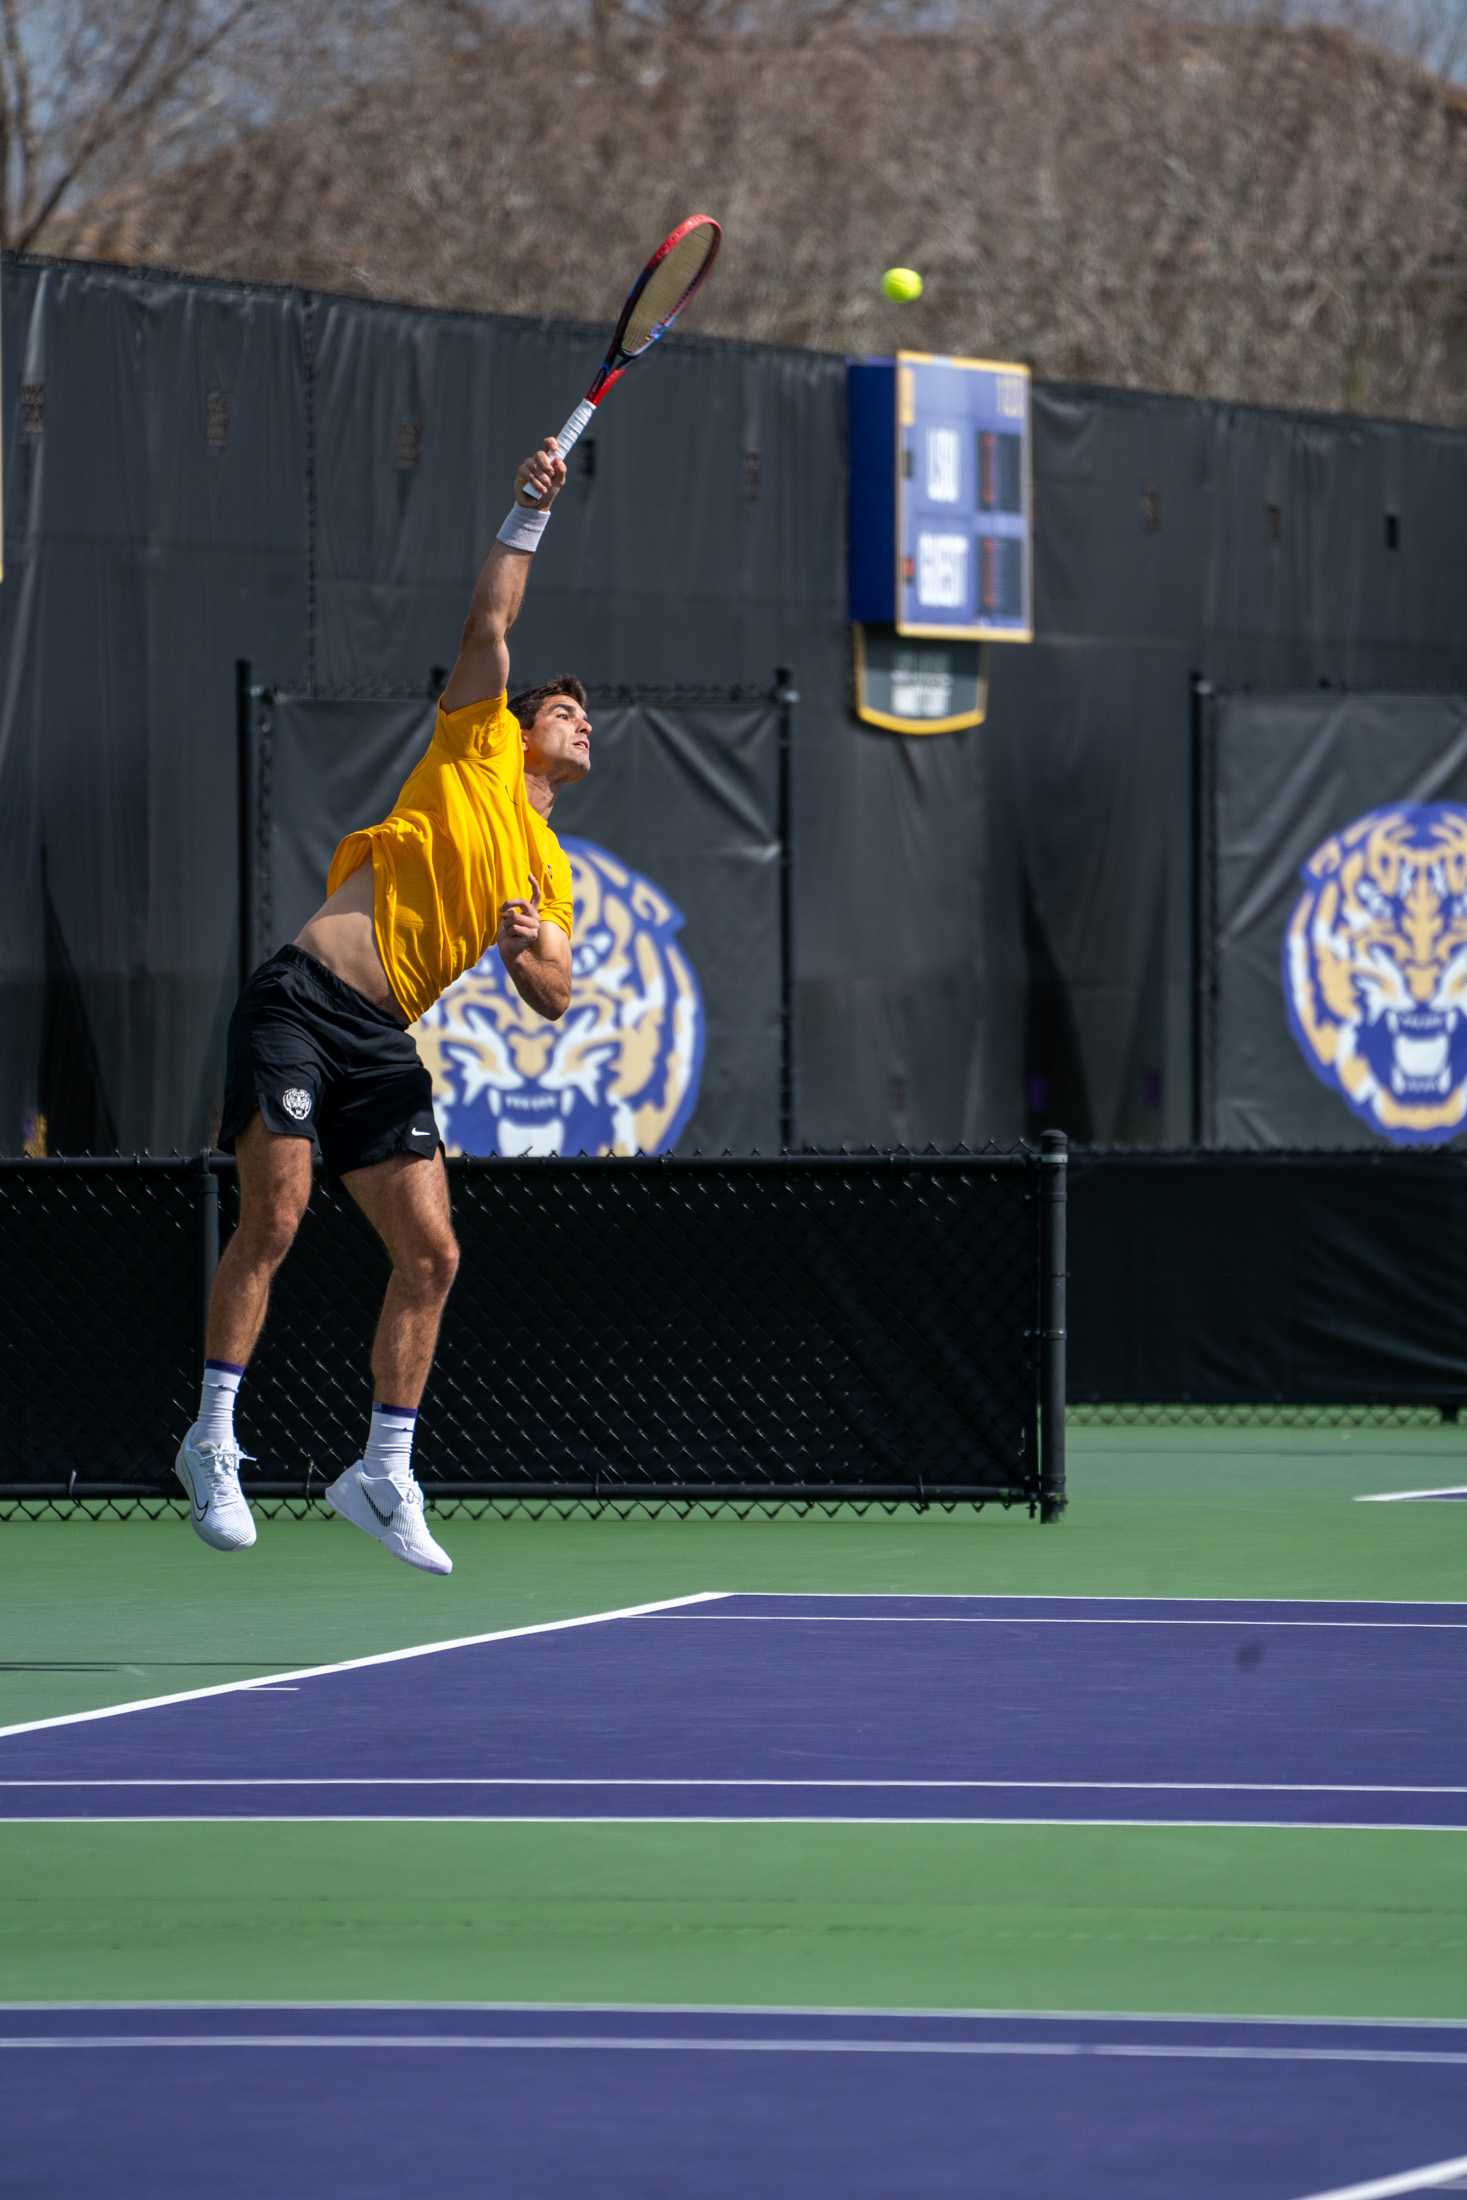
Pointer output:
x,y
941,496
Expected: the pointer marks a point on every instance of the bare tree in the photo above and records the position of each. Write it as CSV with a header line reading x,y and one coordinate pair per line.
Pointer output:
x,y
98,95
1256,199
86,87
1430,32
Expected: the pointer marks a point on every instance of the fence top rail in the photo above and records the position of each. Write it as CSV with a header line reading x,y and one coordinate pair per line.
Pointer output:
x,y
1272,1157
777,1164
112,1164
873,1160
616,695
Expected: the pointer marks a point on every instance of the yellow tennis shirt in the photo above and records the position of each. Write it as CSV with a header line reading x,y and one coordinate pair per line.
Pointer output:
x,y
460,841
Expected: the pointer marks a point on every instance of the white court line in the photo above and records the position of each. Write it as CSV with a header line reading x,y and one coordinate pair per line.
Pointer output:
x,y
714,1818
787,2010
1097,1596
351,1665
529,1780
1432,2175
672,2043
1006,1619
1394,1497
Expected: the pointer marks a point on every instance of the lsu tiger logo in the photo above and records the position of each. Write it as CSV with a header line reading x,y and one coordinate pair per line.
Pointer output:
x,y
617,1075
1375,969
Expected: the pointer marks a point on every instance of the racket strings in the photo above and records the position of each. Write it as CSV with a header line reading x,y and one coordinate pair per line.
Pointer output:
x,y
671,282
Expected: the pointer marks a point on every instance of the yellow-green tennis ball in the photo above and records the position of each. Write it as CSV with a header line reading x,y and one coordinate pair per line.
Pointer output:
x,y
902,284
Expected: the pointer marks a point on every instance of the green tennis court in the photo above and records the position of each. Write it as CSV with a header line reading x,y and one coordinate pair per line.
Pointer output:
x,y
1298,1920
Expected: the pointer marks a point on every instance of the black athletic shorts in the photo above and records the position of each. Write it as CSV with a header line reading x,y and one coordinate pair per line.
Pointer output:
x,y
319,1060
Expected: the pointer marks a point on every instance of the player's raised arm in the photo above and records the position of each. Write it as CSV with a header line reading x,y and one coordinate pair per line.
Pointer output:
x,y
482,669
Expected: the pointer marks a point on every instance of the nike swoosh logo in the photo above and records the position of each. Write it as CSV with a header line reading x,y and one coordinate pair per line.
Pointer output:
x,y
200,1510
420,1134
385,1518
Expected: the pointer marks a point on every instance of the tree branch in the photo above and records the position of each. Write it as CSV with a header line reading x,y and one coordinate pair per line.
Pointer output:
x,y
111,121
18,123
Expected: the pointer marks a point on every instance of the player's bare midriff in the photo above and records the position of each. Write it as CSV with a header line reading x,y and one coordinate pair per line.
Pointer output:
x,y
342,936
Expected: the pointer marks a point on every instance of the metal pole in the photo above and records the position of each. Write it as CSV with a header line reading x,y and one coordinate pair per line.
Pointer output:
x,y
1053,1254
1202,692
310,336
244,723
206,1200
786,695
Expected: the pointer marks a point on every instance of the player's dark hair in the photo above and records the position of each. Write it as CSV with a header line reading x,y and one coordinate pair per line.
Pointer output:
x,y
526,705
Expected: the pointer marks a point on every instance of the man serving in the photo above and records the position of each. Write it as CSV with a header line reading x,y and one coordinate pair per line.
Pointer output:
x,y
319,1044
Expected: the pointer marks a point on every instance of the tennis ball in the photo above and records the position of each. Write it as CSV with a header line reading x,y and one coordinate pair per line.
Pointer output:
x,y
902,284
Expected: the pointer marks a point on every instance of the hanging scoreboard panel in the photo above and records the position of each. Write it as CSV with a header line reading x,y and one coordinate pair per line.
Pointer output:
x,y
918,686
942,497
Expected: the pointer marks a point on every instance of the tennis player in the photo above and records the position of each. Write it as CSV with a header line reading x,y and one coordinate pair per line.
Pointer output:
x,y
319,1043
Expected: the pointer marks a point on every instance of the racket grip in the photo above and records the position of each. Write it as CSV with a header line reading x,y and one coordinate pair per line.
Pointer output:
x,y
570,434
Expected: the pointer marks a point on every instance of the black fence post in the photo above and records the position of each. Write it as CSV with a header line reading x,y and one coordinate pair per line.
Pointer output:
x,y
1203,977
206,1241
1053,1256
786,695
244,724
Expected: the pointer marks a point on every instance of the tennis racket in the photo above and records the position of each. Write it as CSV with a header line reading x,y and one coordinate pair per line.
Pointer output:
x,y
654,302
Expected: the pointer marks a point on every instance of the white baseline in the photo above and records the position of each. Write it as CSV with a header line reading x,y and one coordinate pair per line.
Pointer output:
x,y
267,1681
531,1780
673,2043
1431,2175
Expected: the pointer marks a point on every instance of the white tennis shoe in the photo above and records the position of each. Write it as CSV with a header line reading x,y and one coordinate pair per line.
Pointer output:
x,y
390,1509
216,1503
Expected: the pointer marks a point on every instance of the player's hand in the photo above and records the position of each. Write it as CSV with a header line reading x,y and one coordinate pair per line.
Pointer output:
x,y
545,468
519,922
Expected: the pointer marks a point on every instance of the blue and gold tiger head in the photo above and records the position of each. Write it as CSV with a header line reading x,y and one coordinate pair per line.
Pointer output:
x,y
1375,969
618,1074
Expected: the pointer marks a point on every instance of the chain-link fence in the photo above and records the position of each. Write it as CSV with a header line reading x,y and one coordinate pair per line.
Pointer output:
x,y
106,1266
811,1331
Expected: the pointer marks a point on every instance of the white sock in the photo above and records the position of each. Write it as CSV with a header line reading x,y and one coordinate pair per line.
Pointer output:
x,y
390,1445
215,1424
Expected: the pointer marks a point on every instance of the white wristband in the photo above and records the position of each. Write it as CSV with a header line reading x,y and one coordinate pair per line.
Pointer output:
x,y
522,530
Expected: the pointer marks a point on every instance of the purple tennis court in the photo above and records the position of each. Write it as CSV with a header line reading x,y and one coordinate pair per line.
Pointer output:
x,y
634,2104
726,1706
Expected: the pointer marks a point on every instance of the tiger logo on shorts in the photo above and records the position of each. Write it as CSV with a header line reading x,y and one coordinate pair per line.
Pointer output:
x,y
619,1074
1375,969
